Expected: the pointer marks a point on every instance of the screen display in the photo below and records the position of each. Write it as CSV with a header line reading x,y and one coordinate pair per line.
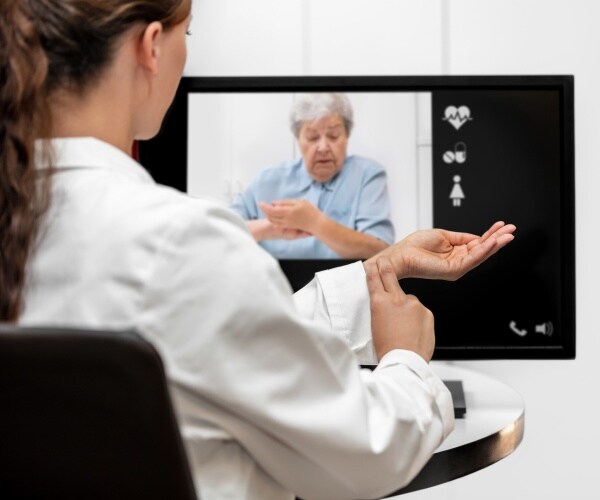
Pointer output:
x,y
451,152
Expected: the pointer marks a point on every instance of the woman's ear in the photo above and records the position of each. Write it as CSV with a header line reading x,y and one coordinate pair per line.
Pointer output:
x,y
149,47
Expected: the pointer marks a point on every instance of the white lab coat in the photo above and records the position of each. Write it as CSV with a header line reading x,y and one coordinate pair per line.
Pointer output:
x,y
268,393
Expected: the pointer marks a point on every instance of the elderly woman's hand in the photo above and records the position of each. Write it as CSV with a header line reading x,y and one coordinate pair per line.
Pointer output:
x,y
447,255
264,229
295,214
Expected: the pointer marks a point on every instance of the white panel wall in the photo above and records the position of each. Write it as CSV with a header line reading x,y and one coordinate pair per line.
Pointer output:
x,y
557,459
321,37
373,37
242,37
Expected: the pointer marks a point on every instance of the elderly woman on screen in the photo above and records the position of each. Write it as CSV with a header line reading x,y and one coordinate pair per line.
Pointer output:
x,y
325,204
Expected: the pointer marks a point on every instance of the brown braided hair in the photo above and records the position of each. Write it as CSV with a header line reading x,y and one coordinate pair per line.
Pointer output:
x,y
47,45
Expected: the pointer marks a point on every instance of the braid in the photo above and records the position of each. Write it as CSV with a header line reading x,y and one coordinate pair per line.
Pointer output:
x,y
47,46
23,68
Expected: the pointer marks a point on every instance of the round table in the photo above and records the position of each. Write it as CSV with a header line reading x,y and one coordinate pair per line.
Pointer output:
x,y
491,429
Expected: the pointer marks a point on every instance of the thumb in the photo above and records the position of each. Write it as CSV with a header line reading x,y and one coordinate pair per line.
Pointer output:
x,y
265,207
388,276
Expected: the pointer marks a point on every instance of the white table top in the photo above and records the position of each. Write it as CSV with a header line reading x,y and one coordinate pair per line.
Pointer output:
x,y
491,429
491,405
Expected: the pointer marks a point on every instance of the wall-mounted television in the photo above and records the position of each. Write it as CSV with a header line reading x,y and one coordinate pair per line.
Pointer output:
x,y
459,152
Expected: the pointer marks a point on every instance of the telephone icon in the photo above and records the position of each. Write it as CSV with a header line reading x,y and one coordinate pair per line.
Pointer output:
x,y
520,332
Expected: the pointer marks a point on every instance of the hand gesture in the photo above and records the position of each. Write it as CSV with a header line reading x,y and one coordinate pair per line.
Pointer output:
x,y
264,229
447,255
398,321
295,214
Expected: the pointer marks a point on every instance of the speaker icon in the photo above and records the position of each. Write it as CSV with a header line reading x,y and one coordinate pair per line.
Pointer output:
x,y
545,329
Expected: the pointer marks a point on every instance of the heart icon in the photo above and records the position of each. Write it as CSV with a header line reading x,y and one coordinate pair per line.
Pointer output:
x,y
457,117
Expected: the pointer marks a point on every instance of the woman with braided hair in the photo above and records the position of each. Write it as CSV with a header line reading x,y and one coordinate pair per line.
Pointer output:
x,y
266,384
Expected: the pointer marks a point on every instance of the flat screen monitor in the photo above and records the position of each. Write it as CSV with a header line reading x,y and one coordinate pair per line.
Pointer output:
x,y
458,152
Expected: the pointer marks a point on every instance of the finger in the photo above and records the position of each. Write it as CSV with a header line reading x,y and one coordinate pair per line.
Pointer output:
x,y
493,228
482,249
388,276
273,212
485,250
284,203
499,233
289,234
502,241
374,283
277,223
455,238
470,239
297,233
270,217
497,229
507,229
267,208
278,228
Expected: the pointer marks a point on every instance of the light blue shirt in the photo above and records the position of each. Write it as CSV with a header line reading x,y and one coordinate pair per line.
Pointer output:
x,y
356,197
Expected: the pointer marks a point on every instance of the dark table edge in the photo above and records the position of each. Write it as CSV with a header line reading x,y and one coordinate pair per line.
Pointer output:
x,y
447,465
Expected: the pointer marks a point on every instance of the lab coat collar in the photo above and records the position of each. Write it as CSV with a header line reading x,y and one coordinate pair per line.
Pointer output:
x,y
89,152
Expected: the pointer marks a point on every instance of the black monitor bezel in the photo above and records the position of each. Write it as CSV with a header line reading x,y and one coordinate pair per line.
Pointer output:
x,y
166,156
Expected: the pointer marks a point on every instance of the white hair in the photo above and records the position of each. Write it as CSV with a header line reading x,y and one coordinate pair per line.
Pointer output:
x,y
311,107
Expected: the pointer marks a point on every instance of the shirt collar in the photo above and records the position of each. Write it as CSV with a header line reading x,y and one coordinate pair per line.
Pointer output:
x,y
89,152
305,180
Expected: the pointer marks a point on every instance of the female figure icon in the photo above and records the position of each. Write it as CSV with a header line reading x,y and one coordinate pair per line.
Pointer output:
x,y
457,194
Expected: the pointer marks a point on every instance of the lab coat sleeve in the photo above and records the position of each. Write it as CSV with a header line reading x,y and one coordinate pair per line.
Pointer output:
x,y
338,299
241,358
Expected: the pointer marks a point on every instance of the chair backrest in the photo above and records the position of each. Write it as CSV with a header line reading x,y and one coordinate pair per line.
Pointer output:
x,y
87,414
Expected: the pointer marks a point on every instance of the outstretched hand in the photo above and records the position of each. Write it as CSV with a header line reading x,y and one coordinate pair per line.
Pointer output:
x,y
446,255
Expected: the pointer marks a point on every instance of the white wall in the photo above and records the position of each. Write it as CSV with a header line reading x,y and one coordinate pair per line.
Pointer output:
x,y
265,37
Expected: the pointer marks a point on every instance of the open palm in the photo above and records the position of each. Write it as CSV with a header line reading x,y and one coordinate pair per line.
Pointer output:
x,y
447,255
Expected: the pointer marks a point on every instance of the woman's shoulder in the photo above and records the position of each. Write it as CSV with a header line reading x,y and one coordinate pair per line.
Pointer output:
x,y
362,169
183,212
211,240
146,215
279,170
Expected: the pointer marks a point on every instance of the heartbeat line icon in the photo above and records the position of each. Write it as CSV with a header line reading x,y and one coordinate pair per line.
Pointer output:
x,y
457,117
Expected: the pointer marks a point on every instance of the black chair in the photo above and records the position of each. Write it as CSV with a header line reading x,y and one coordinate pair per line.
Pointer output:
x,y
87,414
